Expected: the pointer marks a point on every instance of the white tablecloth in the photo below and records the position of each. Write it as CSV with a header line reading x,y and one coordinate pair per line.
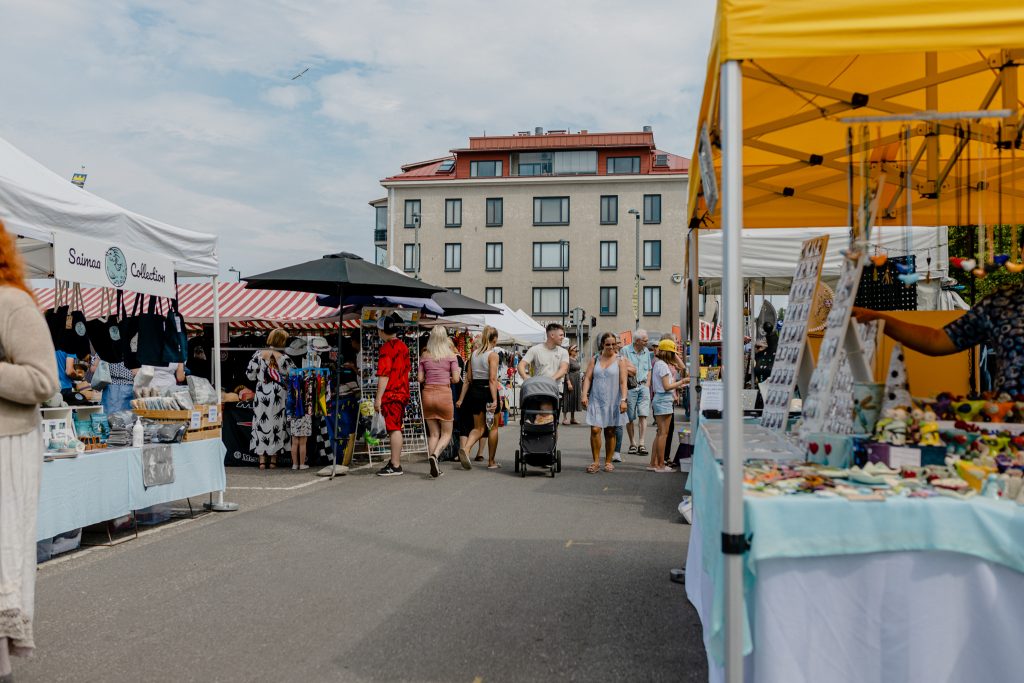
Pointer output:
x,y
895,617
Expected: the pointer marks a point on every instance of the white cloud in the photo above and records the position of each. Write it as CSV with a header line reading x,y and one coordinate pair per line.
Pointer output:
x,y
186,111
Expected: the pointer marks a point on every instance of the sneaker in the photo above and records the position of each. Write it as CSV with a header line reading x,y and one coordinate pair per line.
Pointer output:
x,y
664,469
642,450
617,458
435,470
632,450
464,459
390,470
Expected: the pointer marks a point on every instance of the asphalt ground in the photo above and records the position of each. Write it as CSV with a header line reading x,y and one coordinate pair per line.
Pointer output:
x,y
478,576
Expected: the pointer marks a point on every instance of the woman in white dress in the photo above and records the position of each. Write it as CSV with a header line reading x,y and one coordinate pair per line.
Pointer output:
x,y
269,369
604,397
28,376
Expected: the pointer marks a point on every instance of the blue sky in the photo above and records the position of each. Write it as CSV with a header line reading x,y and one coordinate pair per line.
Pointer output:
x,y
186,111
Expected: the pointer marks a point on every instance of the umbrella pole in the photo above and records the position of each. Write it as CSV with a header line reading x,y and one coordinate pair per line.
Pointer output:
x,y
336,402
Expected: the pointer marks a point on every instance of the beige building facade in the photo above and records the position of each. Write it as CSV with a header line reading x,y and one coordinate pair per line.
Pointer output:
x,y
545,243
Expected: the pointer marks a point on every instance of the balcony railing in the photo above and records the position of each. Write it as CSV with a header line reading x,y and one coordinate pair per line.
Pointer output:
x,y
380,235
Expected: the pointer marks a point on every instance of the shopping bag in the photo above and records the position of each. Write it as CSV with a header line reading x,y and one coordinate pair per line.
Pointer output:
x,y
175,340
57,316
151,335
76,337
128,328
101,378
105,333
378,428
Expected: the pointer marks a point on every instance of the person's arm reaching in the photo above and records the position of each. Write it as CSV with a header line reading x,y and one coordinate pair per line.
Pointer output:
x,y
931,341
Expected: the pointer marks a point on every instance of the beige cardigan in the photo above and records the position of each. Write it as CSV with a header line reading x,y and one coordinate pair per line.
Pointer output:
x,y
28,364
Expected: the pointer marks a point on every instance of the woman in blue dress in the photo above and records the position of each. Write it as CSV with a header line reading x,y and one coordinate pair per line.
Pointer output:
x,y
604,397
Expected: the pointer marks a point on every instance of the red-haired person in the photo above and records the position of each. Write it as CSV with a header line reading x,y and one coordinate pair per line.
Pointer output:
x,y
28,377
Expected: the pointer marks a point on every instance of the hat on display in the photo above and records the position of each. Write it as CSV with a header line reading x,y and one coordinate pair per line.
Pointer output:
x,y
390,323
297,347
667,345
319,344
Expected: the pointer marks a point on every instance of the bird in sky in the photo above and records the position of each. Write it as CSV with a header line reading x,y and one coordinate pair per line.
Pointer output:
x,y
299,75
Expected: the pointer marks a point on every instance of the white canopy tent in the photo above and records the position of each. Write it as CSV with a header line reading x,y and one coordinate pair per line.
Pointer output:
x,y
512,327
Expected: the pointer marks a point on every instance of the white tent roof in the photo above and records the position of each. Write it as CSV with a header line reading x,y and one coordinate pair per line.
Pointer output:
x,y
35,203
772,253
511,327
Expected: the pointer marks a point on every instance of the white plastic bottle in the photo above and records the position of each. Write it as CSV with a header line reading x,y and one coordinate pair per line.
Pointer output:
x,y
138,435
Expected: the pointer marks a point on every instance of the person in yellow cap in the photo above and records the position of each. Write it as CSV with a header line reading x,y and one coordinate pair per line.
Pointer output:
x,y
664,380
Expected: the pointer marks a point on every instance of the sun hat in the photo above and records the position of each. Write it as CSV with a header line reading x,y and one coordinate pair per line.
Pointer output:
x,y
667,345
319,344
297,347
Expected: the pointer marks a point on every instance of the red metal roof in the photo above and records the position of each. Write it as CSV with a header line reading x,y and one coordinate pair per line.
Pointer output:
x,y
558,141
676,164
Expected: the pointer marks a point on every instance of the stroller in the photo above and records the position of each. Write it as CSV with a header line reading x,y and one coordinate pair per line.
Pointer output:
x,y
538,426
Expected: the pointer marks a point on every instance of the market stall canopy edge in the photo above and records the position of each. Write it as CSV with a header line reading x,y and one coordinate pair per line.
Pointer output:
x,y
807,65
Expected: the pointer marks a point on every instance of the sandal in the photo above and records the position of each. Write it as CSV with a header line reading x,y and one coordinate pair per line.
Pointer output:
x,y
609,467
642,450
593,468
478,458
493,466
632,450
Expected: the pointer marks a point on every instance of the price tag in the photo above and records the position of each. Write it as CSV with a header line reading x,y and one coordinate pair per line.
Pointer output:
x,y
904,457
197,420
211,415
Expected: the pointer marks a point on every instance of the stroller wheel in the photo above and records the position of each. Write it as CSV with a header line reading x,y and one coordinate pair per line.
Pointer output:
x,y
522,466
552,468
517,461
558,461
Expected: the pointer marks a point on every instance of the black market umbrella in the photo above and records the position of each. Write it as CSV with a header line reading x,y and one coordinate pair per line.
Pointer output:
x,y
443,303
342,274
454,303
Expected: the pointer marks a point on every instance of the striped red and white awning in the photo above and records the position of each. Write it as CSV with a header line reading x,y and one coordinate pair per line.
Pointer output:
x,y
240,307
709,332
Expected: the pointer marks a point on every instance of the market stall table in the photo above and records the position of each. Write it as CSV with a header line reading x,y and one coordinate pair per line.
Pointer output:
x,y
837,590
101,485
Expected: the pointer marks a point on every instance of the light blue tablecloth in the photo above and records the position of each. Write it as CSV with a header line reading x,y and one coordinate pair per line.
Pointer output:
x,y
102,485
806,526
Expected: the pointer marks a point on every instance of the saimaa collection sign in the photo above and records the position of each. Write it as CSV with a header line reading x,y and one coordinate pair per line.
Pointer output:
x,y
102,264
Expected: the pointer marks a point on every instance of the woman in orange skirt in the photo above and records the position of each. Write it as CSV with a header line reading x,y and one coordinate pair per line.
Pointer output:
x,y
438,370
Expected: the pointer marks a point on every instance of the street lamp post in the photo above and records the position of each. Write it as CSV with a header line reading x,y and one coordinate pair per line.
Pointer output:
x,y
237,272
416,248
563,299
636,271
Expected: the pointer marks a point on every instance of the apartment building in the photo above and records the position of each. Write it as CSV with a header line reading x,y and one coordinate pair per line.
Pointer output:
x,y
547,222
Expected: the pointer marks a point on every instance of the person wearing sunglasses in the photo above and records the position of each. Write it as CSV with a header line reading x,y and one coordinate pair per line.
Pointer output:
x,y
604,396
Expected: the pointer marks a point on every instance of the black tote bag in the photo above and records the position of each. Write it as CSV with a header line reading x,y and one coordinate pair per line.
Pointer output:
x,y
76,336
105,333
57,316
152,331
175,338
129,330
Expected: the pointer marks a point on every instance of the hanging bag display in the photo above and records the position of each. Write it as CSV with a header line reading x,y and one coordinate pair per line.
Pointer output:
x,y
151,335
104,333
129,330
101,378
175,340
76,337
56,317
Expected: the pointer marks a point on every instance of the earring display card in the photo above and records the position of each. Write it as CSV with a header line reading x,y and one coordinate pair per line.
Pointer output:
x,y
839,415
778,390
823,380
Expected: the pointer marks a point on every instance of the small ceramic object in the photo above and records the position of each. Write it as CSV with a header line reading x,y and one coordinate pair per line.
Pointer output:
x,y
1014,267
968,264
879,260
956,261
904,268
1000,259
910,278
979,273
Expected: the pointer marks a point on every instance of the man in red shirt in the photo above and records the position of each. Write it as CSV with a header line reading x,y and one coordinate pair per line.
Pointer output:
x,y
393,367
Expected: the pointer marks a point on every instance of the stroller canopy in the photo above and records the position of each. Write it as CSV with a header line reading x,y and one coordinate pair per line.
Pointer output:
x,y
539,387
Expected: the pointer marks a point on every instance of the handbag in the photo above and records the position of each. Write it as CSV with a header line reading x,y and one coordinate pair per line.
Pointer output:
x,y
151,335
101,378
75,340
104,333
175,349
631,382
129,331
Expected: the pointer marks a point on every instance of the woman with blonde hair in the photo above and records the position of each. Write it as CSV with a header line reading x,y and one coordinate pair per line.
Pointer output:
x,y
667,367
439,369
28,376
269,369
480,393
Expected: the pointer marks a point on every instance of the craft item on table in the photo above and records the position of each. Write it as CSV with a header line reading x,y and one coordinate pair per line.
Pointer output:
x,y
897,392
929,430
968,411
997,411
892,427
867,406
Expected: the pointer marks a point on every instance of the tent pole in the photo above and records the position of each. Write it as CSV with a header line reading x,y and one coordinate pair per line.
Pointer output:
x,y
218,505
336,399
733,367
694,288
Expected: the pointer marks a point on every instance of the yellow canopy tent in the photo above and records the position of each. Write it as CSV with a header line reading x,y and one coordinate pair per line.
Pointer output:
x,y
782,77
806,66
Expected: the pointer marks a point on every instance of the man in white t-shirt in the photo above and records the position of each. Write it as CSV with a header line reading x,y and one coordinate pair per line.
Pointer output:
x,y
548,359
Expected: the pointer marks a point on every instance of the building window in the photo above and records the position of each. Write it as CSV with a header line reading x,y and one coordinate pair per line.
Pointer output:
x,y
652,300
652,208
623,164
453,257
609,209
495,256
412,212
551,211
452,213
609,255
652,254
411,262
550,300
492,295
577,162
382,217
535,163
484,169
495,212
551,256
455,290
609,301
